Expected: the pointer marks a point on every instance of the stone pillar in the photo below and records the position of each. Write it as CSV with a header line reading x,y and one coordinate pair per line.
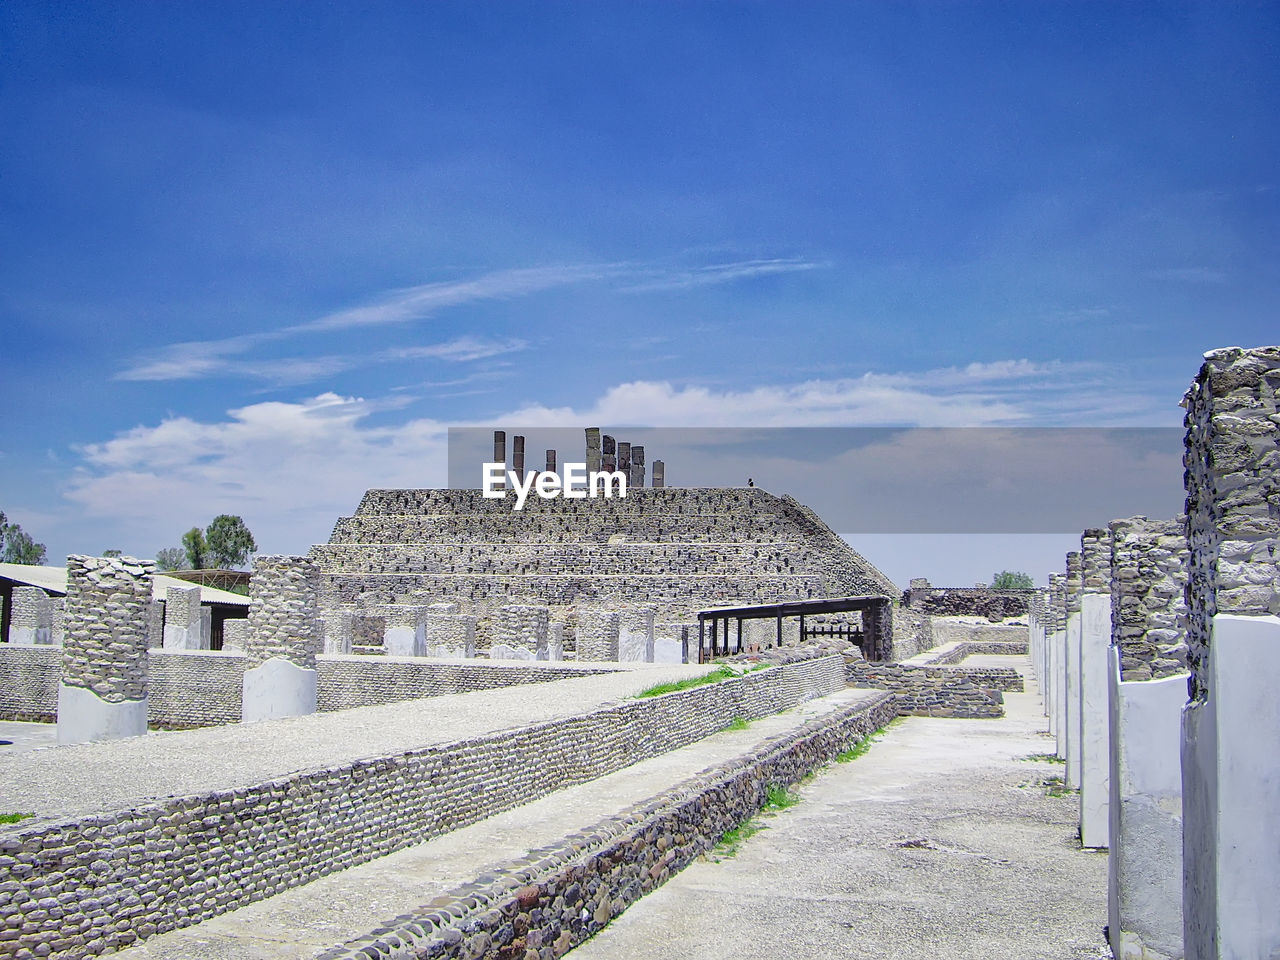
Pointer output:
x,y
235,634
555,642
339,628
1231,726
406,632
500,454
517,456
593,450
58,630
624,460
1074,700
659,474
635,634
1058,661
448,632
551,461
1095,725
182,619
522,627
103,693
636,479
280,676
32,618
155,624
609,458
1147,680
598,635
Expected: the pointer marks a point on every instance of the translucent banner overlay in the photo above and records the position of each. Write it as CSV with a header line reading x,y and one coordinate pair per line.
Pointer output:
x,y
894,480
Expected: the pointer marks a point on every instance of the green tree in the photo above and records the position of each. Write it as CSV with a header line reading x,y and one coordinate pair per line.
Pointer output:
x,y
113,552
196,549
171,558
229,541
1012,580
16,545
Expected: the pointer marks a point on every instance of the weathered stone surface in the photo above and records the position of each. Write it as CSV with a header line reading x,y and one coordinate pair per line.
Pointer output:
x,y
1148,606
283,611
105,650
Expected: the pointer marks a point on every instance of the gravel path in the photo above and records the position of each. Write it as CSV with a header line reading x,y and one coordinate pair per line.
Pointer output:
x,y
940,843
90,778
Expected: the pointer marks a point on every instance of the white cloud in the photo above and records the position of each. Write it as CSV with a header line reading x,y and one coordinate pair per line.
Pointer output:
x,y
291,468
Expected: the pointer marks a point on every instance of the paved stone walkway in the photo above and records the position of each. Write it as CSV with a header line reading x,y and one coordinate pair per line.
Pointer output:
x,y
90,778
940,843
302,922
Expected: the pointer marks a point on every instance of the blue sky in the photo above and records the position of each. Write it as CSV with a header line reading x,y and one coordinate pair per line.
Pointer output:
x,y
255,258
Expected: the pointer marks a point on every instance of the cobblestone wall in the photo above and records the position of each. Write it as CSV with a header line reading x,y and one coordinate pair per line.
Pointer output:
x,y
1095,561
1148,606
307,825
194,688
1057,610
547,907
105,649
930,691
521,625
597,635
32,616
1232,465
283,611
1074,584
29,682
975,648
995,605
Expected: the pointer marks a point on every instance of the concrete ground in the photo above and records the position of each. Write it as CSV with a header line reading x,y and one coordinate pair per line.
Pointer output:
x,y
302,922
940,843
18,736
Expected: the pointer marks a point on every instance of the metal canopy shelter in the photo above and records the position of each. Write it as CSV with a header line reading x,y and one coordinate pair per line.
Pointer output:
x,y
873,607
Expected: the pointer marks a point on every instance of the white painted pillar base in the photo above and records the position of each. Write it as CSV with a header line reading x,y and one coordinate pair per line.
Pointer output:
x,y
1095,720
405,641
1073,704
1230,795
183,638
1060,691
1144,885
84,716
277,688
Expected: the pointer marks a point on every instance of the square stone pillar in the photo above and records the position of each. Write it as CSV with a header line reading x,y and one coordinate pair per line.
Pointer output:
x,y
1058,661
103,693
182,628
636,479
1095,715
598,635
284,635
1147,683
624,460
1074,691
521,627
406,631
517,456
659,474
593,450
1231,725
635,634
339,629
608,453
235,634
448,632
31,622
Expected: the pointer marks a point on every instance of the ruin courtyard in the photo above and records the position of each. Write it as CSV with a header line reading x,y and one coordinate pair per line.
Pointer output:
x,y
684,715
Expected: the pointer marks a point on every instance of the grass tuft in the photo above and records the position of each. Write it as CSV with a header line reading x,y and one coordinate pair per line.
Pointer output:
x,y
737,723
1045,758
723,672
14,817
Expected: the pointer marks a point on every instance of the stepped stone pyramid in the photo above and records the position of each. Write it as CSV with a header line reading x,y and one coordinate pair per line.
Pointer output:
x,y
678,550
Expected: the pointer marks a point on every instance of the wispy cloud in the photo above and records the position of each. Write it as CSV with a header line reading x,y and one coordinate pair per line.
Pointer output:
x,y
188,361
234,356
718,273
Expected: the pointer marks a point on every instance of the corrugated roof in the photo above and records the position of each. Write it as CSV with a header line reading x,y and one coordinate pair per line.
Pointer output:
x,y
54,580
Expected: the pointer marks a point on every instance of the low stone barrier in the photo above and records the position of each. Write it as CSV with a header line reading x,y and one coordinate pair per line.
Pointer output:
x,y
209,853
973,648
559,896
202,688
929,691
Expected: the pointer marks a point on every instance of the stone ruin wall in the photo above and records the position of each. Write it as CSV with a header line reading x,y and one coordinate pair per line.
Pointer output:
x,y
105,648
1057,603
1095,561
1073,585
995,605
1232,466
1148,604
